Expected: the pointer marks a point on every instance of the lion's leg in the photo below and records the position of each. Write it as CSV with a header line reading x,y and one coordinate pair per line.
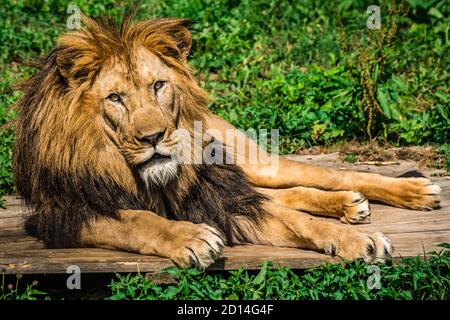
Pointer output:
x,y
271,171
147,233
406,192
348,206
286,227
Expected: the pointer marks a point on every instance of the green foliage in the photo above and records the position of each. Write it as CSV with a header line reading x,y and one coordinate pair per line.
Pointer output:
x,y
14,292
409,279
352,158
6,133
371,51
445,149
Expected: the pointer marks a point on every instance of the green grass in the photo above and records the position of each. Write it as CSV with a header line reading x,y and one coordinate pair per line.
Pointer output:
x,y
409,279
445,150
352,158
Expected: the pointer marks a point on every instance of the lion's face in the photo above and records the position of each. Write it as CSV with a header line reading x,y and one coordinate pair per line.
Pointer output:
x,y
109,101
137,111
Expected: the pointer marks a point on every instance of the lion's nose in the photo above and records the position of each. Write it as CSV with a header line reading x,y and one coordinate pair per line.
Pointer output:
x,y
151,139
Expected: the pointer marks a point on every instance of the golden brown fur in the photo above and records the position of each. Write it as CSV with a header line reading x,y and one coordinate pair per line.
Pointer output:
x,y
93,159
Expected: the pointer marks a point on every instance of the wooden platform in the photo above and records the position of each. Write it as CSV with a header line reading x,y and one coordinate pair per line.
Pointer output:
x,y
412,232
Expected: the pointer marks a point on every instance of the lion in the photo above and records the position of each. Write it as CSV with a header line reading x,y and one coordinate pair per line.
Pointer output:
x,y
96,149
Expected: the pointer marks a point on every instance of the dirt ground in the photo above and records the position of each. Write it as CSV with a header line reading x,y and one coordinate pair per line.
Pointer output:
x,y
356,152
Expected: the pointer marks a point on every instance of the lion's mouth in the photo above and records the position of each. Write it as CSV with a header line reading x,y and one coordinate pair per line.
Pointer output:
x,y
156,158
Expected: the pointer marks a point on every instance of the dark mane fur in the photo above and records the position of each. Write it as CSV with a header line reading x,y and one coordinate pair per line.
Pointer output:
x,y
221,193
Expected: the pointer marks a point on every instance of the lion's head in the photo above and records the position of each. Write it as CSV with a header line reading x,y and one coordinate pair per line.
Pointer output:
x,y
116,90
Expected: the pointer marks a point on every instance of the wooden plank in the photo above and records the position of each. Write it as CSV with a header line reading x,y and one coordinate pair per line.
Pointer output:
x,y
412,233
96,260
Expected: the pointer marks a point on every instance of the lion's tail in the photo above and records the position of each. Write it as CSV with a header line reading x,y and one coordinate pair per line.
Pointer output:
x,y
412,174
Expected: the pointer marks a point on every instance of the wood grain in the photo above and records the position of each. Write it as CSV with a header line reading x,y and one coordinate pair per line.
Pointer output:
x,y
412,233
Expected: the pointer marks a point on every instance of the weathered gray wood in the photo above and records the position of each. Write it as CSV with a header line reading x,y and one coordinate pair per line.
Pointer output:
x,y
412,232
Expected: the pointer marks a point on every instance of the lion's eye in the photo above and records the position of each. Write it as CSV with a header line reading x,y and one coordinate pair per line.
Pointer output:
x,y
158,85
114,97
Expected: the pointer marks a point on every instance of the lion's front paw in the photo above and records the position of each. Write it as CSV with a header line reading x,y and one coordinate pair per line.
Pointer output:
x,y
370,247
419,194
356,208
199,245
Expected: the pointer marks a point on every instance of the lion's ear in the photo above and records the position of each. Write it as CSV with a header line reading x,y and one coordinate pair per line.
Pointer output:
x,y
164,34
183,36
77,58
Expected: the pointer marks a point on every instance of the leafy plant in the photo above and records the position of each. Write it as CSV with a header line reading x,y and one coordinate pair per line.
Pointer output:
x,y
352,158
412,278
14,292
371,51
